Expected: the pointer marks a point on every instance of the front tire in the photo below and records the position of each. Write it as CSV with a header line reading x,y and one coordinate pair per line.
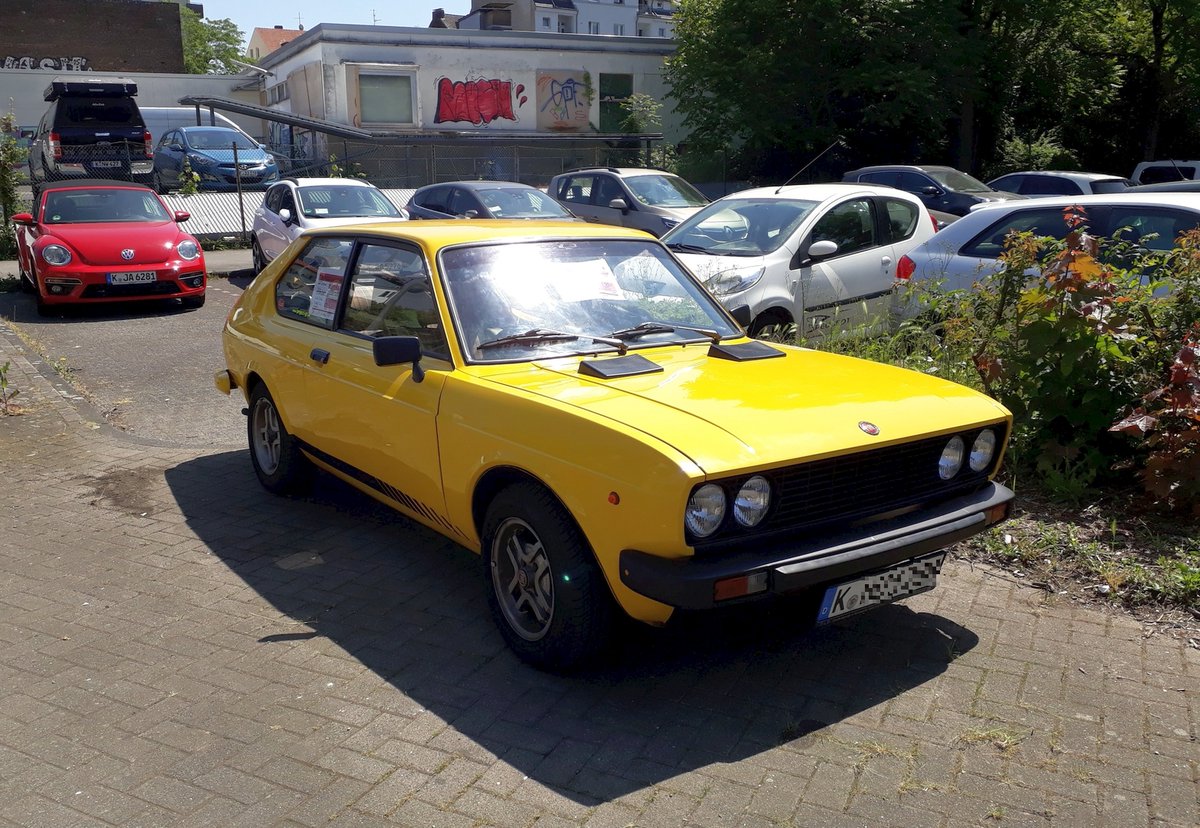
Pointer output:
x,y
545,589
193,302
280,465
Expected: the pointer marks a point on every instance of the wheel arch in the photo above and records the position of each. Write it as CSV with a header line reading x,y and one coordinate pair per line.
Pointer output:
x,y
498,478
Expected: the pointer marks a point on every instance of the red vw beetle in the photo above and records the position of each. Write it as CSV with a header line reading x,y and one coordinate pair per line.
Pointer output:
x,y
106,241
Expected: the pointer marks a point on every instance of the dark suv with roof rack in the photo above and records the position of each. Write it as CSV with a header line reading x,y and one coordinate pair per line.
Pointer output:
x,y
93,129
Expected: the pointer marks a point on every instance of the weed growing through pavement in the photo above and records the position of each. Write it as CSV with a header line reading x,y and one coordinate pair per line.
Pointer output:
x,y
7,392
1004,739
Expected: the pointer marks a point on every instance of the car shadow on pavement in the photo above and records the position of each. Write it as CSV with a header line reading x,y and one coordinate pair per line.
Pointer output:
x,y
21,307
409,606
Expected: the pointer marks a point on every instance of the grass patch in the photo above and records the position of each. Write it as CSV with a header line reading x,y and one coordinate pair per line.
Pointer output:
x,y
10,284
1004,739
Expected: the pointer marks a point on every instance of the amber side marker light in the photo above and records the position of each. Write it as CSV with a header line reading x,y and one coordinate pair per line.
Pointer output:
x,y
740,586
995,514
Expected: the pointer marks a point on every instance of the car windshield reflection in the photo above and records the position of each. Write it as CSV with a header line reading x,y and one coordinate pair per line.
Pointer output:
x,y
102,205
532,300
740,227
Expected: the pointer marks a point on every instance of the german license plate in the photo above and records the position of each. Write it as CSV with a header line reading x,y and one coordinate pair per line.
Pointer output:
x,y
900,581
133,277
106,164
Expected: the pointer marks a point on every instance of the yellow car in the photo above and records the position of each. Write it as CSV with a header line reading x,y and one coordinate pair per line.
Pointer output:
x,y
567,400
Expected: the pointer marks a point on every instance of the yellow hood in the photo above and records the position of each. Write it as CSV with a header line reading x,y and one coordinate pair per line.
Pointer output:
x,y
728,415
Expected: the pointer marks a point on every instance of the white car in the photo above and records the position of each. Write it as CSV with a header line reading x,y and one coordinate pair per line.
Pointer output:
x,y
812,254
1043,183
969,249
296,204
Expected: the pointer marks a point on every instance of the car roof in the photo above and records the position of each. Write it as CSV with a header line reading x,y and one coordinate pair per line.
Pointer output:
x,y
83,183
1191,200
1086,176
818,192
439,233
628,172
325,182
879,167
1186,185
480,185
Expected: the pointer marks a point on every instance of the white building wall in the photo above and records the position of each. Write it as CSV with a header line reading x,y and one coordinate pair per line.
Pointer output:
x,y
608,14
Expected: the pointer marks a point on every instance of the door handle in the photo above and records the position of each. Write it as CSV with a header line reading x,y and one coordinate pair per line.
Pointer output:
x,y
319,355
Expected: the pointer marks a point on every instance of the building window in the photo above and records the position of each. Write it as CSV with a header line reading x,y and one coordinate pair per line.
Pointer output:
x,y
277,93
593,27
662,32
546,23
385,98
618,28
614,90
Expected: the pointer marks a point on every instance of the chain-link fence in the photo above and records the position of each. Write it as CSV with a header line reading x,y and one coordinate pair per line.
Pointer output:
x,y
412,165
50,162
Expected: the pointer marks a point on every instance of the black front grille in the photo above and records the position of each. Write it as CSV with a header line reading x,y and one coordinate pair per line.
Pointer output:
x,y
159,288
853,487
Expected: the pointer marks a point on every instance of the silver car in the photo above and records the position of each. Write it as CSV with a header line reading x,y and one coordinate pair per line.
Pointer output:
x,y
650,200
970,249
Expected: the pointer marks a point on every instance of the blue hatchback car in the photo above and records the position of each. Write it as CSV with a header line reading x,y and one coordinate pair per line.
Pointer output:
x,y
209,151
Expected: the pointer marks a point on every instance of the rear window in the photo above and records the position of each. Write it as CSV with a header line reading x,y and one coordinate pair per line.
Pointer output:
x,y
1167,172
1110,185
97,111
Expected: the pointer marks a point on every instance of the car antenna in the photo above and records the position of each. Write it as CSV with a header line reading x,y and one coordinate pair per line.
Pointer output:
x,y
841,139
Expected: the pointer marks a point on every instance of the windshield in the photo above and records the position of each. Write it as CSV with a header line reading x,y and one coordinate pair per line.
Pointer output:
x,y
665,191
102,205
957,181
517,202
740,226
332,200
551,297
218,138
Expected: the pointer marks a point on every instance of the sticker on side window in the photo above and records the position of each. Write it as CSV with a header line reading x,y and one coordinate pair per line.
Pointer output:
x,y
325,294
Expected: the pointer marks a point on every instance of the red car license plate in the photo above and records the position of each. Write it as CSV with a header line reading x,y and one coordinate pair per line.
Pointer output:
x,y
134,277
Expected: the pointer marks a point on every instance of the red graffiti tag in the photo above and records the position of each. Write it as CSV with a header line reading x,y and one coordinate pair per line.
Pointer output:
x,y
477,101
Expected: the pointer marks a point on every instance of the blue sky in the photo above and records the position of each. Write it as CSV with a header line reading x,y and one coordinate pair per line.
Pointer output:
x,y
267,13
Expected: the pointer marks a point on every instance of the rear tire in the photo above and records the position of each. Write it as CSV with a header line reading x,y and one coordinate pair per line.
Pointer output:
x,y
545,589
280,465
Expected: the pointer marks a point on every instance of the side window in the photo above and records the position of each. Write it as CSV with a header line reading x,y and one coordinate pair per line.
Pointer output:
x,y
287,200
310,288
887,179
577,189
274,196
902,218
912,182
436,199
461,201
1050,185
851,224
1154,229
607,189
1007,183
391,295
1043,222
1166,172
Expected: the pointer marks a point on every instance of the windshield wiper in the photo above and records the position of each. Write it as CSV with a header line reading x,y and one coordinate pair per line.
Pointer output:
x,y
687,248
536,335
647,328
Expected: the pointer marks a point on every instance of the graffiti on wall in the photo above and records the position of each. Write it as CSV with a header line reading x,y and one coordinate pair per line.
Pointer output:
x,y
62,64
563,100
479,102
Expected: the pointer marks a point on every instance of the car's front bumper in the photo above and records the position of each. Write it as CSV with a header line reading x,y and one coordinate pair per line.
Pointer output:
x,y
792,566
90,283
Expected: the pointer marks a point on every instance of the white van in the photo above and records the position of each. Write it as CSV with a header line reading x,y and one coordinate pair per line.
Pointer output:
x,y
159,119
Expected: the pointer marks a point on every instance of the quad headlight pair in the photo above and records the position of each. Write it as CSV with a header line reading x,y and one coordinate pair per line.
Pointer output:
x,y
953,455
707,506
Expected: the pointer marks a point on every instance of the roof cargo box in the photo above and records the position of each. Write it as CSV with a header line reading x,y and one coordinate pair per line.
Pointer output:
x,y
116,87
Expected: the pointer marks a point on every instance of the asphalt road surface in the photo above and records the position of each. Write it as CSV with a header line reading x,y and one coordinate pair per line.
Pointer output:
x,y
147,367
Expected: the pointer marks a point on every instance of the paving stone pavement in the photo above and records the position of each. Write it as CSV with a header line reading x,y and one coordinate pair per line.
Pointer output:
x,y
179,648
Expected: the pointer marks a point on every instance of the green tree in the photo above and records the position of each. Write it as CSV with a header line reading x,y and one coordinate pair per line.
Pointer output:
x,y
210,46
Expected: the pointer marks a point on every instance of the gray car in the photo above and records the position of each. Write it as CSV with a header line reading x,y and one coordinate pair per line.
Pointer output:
x,y
650,200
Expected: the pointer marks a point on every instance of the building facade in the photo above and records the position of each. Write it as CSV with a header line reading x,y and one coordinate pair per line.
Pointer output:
x,y
616,18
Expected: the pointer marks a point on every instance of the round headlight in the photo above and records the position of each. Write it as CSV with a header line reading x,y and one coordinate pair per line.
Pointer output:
x,y
983,449
705,510
188,249
752,501
56,255
952,458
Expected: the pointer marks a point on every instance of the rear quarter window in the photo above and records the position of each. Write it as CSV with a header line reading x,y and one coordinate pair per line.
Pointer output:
x,y
1040,222
902,219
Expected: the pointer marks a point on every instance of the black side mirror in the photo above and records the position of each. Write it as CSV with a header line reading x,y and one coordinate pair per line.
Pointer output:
x,y
932,191
397,350
742,315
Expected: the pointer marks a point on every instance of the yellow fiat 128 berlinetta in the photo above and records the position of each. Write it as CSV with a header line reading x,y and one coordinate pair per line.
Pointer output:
x,y
566,400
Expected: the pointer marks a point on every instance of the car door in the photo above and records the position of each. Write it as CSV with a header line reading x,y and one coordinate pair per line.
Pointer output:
x,y
606,188
576,192
851,286
271,232
379,423
432,203
462,203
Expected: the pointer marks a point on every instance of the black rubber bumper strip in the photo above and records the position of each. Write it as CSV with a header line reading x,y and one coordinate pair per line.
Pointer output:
x,y
687,583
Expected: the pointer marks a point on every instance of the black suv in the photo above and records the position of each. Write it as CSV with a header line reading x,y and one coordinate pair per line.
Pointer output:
x,y
941,188
93,129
